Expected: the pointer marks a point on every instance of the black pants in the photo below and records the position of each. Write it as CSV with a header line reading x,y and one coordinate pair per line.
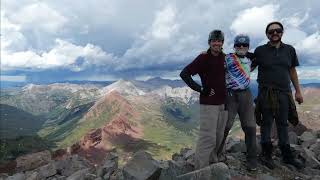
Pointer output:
x,y
280,118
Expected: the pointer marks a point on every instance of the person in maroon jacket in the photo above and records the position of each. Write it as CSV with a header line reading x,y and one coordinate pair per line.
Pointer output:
x,y
213,117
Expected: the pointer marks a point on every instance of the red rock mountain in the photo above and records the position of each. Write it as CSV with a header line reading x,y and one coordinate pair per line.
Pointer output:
x,y
121,128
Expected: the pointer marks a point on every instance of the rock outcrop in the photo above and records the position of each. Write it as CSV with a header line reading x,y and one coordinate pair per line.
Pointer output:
x,y
142,166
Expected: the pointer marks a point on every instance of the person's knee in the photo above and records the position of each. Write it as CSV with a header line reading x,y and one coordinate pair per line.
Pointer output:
x,y
250,130
282,123
266,123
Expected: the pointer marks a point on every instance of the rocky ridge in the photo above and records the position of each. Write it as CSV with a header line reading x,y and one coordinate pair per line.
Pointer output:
x,y
142,166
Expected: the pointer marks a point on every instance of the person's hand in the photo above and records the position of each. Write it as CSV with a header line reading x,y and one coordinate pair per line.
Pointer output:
x,y
208,92
252,67
250,55
299,97
212,92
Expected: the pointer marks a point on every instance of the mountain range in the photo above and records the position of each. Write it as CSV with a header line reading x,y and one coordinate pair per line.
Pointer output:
x,y
90,119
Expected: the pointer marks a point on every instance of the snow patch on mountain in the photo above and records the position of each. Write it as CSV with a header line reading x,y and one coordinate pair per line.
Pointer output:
x,y
123,87
185,94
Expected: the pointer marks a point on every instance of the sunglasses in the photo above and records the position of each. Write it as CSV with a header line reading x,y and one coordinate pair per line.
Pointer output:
x,y
278,30
241,44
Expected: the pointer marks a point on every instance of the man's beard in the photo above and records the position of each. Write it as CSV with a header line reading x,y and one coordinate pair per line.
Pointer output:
x,y
275,41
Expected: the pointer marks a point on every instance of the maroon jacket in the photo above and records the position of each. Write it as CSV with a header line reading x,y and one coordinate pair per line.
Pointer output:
x,y
212,73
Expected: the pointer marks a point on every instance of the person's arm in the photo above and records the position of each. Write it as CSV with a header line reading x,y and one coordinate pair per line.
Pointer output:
x,y
195,67
295,82
294,76
186,77
253,65
252,57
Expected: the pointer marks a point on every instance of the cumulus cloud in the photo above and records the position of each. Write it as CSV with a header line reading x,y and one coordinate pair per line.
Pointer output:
x,y
11,37
63,54
39,16
309,48
139,38
311,43
309,72
253,20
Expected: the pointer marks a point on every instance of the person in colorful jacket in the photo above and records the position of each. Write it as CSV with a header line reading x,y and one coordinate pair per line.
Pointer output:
x,y
213,117
239,97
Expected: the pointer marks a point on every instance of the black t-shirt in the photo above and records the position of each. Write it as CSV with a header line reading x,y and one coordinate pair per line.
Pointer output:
x,y
212,73
274,65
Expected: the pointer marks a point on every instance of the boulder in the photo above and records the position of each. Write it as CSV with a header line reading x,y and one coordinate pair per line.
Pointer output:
x,y
293,138
308,136
312,172
239,177
71,164
32,161
142,167
310,159
109,166
3,176
47,170
174,169
266,177
79,175
215,171
236,146
189,154
18,176
315,148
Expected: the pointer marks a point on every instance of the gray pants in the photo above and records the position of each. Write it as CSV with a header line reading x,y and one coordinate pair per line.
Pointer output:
x,y
241,103
213,119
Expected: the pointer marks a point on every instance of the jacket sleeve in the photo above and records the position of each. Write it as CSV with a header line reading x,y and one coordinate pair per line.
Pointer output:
x,y
186,77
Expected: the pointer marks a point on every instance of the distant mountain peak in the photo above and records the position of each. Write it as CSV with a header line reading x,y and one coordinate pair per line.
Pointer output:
x,y
29,87
124,87
155,78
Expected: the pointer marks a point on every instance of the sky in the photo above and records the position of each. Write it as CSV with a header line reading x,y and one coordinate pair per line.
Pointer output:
x,y
101,40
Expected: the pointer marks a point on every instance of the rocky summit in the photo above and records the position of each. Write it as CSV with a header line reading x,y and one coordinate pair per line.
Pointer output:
x,y
142,166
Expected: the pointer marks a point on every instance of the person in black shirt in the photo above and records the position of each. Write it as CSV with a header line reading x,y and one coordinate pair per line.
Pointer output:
x,y
276,63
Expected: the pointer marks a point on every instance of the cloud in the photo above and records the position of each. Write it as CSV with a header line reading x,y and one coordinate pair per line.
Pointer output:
x,y
296,20
13,78
310,49
39,16
164,24
118,38
311,43
11,37
253,20
161,44
309,72
63,54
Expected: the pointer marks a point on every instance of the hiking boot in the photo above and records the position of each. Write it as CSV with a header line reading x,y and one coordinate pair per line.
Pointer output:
x,y
267,161
266,157
288,157
252,164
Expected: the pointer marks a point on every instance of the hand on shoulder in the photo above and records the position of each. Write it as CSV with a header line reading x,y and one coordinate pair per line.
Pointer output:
x,y
250,55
